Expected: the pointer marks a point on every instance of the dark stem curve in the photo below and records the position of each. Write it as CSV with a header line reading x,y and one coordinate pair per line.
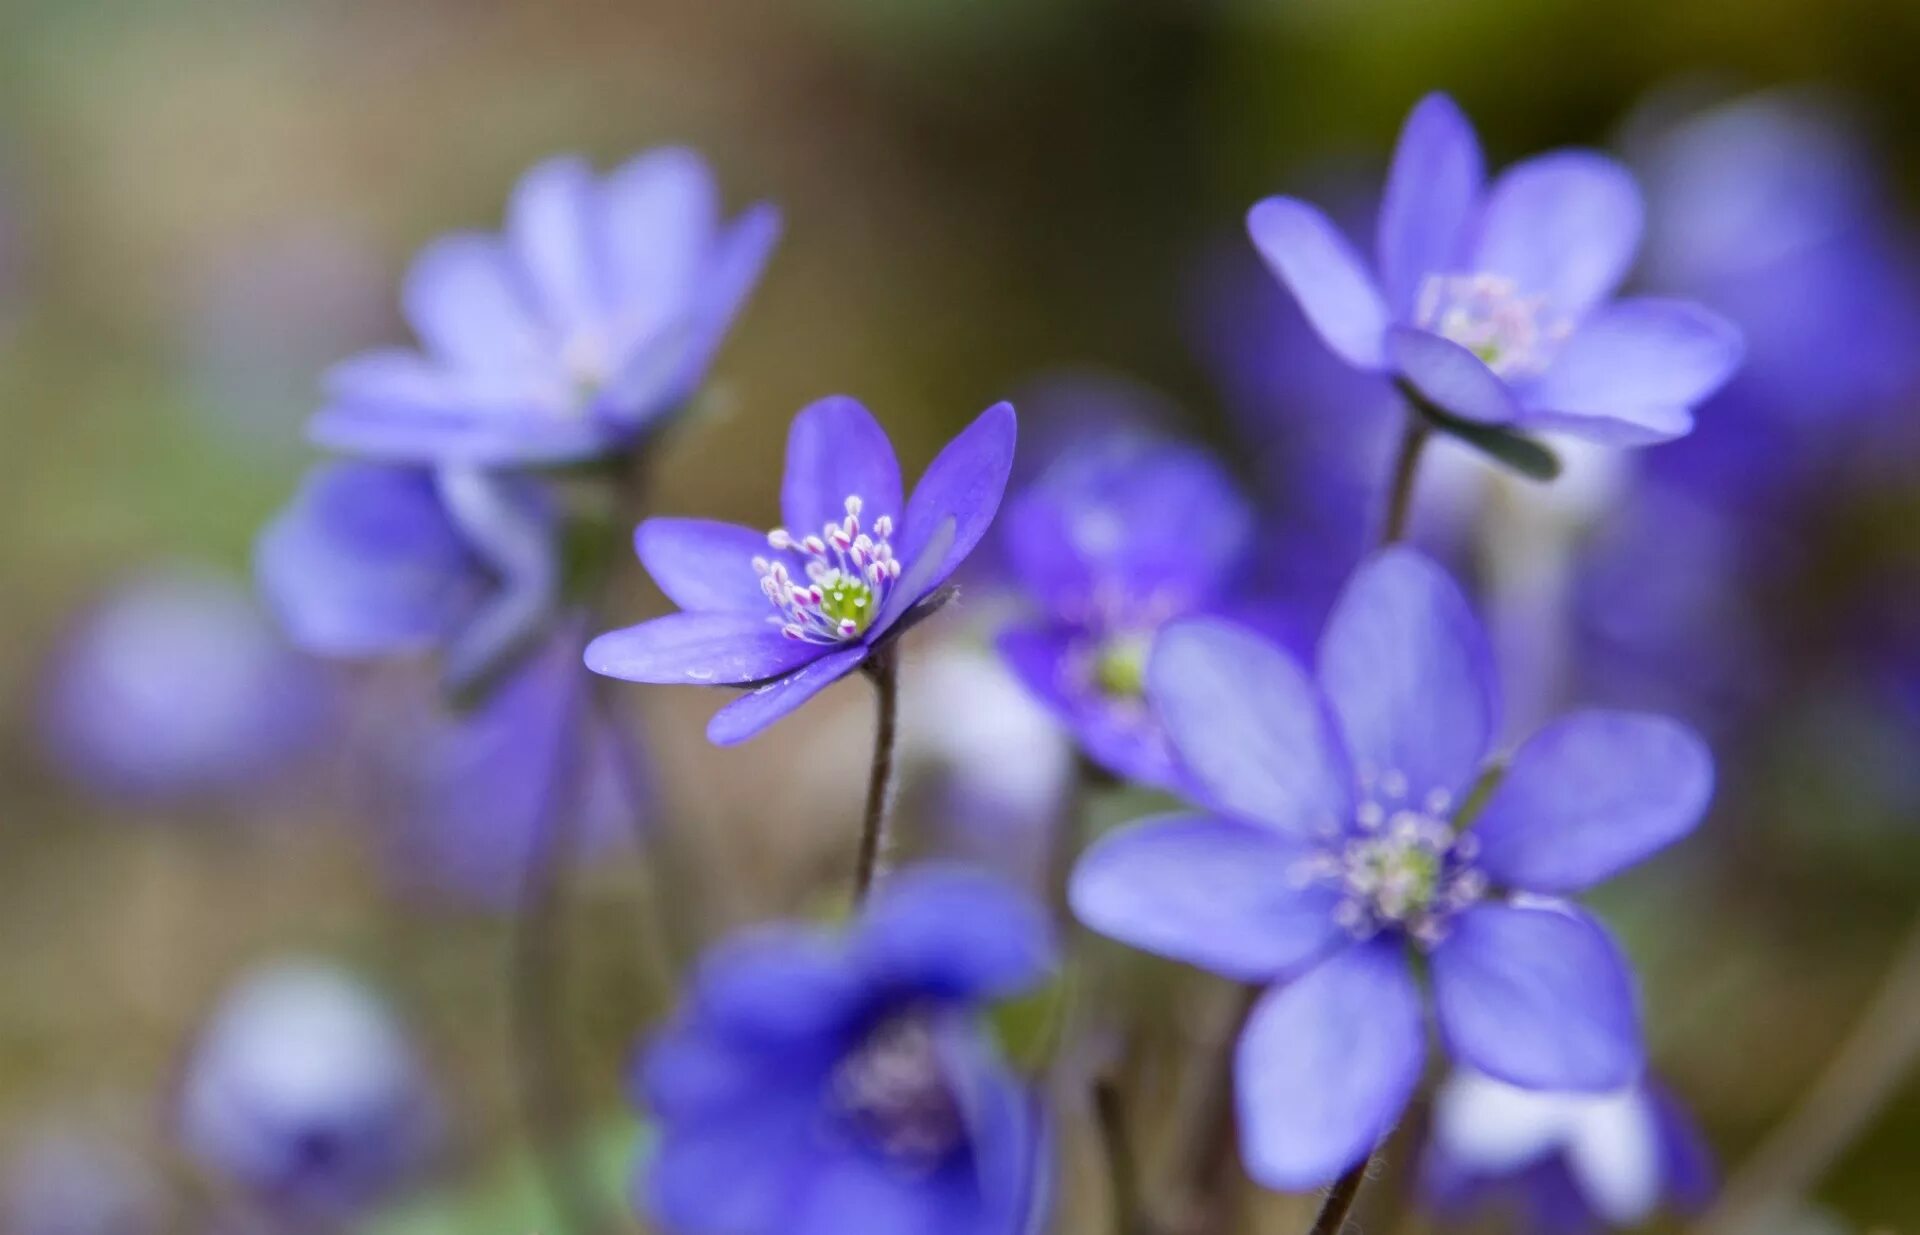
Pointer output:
x,y
1340,1200
1406,467
883,671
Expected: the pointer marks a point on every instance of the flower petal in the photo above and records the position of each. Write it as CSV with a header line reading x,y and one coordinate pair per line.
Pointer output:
x,y
957,932
463,300
1451,377
1250,726
857,1193
1613,1152
1430,197
742,1173
700,649
1306,252
1623,428
1326,1065
768,702
1407,669
963,485
1563,226
1660,355
551,225
1122,735
1589,796
837,450
366,561
778,986
1539,998
705,565
1221,895
657,214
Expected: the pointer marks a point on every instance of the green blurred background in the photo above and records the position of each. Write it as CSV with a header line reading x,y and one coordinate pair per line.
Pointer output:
x,y
206,202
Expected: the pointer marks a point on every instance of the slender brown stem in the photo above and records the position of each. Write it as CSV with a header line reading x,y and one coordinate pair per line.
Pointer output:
x,y
1862,1078
1340,1200
1123,1167
884,671
1406,466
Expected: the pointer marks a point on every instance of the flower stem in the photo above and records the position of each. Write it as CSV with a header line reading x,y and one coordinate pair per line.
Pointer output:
x,y
1340,1199
1123,1168
1406,466
883,670
1861,1079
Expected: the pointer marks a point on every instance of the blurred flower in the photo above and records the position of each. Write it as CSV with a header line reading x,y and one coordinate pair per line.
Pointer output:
x,y
175,683
593,316
1492,303
375,560
1339,842
816,1084
467,793
69,1183
304,1094
1110,544
873,569
1576,1162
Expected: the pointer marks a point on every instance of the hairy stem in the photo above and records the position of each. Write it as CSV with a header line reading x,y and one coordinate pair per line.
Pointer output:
x,y
884,672
1406,466
1340,1200
1861,1079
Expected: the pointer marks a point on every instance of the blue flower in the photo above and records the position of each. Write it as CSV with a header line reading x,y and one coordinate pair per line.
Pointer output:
x,y
374,560
594,315
1492,301
1576,1163
176,683
1110,544
1333,846
305,1095
823,1084
790,612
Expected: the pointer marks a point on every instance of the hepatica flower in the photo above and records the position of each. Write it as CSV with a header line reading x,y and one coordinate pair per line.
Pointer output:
x,y
823,1084
1110,544
786,613
1335,850
1575,1163
594,315
1493,303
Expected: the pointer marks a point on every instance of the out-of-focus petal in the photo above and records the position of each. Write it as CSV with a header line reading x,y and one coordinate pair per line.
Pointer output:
x,y
1307,253
1225,896
1430,198
955,931
1121,734
551,226
463,300
1326,1065
777,985
1640,361
1451,377
1563,226
1591,795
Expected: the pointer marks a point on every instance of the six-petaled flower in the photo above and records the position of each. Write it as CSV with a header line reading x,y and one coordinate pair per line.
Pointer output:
x,y
1334,845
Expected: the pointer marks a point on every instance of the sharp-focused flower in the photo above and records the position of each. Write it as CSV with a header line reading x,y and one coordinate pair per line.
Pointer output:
x,y
1335,844
1574,1163
820,1084
787,613
466,793
304,1094
594,315
1492,302
378,560
1110,544
68,1182
176,683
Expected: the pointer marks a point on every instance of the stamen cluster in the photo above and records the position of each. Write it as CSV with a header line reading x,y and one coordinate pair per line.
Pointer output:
x,y
1515,335
1406,868
849,573
893,1091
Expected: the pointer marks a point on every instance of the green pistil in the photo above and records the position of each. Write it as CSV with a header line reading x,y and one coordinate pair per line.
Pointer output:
x,y
848,599
1121,666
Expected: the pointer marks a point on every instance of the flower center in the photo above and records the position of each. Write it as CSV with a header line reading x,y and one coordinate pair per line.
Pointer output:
x,y
1514,335
1120,665
848,575
1406,868
893,1092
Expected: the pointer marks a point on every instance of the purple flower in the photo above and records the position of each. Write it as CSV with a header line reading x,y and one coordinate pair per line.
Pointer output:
x,y
821,1084
304,1093
378,560
1492,301
1576,1163
787,613
1110,544
1334,845
175,683
594,315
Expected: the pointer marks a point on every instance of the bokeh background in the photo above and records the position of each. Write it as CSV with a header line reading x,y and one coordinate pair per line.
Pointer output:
x,y
203,203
